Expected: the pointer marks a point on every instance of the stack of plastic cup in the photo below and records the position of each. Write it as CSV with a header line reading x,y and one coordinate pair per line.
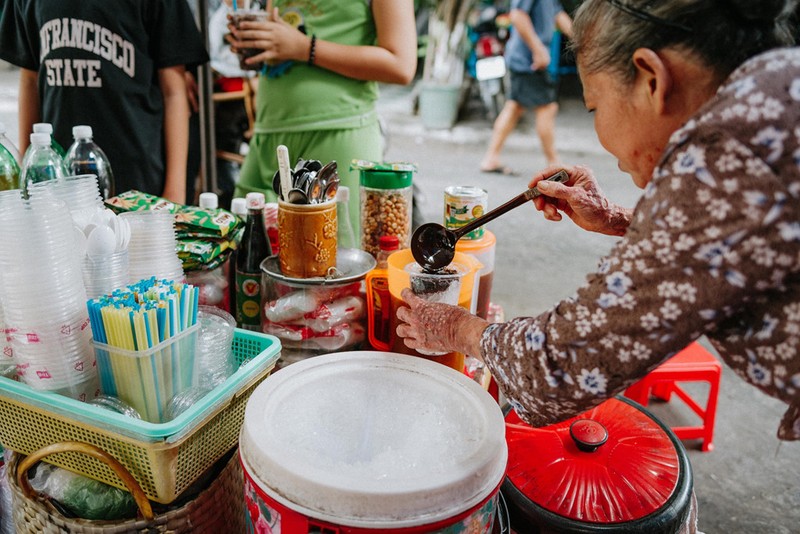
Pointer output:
x,y
44,300
104,270
152,250
80,193
214,361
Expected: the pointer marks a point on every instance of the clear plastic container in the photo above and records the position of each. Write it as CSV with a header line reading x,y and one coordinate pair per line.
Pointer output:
x,y
386,201
41,163
86,157
345,236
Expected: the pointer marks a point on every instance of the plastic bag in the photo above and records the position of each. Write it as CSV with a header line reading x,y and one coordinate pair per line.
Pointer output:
x,y
293,305
303,337
81,496
327,316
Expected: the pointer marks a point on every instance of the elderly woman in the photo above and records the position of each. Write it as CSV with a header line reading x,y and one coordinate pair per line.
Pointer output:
x,y
701,106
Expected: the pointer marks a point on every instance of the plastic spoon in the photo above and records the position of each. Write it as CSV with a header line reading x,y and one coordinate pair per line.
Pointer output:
x,y
434,246
285,172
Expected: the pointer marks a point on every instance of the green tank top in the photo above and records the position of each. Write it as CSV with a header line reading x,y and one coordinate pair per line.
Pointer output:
x,y
311,98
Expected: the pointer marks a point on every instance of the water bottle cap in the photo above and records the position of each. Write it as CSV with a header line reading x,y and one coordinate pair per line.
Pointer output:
x,y
255,201
239,207
81,131
209,200
40,139
343,194
43,127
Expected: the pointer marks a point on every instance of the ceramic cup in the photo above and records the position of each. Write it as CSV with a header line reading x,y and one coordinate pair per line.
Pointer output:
x,y
307,236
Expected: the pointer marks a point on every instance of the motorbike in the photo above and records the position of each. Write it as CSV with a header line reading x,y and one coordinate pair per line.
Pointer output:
x,y
489,30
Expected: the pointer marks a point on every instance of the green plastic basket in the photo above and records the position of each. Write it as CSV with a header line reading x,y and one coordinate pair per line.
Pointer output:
x,y
165,458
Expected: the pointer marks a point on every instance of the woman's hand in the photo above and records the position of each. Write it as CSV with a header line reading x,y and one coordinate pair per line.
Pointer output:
x,y
439,327
581,199
279,40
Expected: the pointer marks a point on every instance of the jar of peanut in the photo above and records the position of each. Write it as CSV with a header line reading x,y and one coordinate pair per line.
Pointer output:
x,y
386,201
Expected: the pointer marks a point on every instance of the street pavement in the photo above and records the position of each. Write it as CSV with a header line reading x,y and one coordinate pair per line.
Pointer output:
x,y
750,482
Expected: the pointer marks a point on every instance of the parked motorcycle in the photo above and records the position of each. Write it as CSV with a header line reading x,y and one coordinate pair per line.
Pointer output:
x,y
489,31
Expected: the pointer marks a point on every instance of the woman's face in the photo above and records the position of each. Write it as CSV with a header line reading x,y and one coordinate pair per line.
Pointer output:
x,y
626,124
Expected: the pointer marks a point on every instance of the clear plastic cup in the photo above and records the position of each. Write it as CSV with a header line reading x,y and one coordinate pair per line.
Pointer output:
x,y
214,361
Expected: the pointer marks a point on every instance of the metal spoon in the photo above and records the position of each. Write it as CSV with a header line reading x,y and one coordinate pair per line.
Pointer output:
x,y
324,176
434,246
331,187
297,196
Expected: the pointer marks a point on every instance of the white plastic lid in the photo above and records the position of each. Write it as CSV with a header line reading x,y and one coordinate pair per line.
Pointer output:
x,y
81,131
374,440
40,139
209,200
255,201
343,194
239,206
43,127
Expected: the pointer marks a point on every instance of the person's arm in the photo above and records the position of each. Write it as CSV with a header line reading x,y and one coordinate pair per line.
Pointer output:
x,y
439,327
392,60
29,107
524,27
581,200
564,24
176,131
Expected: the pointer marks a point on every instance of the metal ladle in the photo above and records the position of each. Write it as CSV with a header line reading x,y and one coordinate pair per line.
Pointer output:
x,y
434,246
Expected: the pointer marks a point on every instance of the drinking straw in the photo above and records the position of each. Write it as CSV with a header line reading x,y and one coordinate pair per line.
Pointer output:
x,y
235,7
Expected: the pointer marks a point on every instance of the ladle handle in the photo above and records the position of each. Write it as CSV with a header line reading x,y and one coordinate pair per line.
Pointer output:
x,y
561,177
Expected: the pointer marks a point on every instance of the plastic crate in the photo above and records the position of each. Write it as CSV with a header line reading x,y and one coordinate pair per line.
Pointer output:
x,y
165,458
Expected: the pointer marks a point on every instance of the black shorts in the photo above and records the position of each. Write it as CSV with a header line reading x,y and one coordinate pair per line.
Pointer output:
x,y
532,89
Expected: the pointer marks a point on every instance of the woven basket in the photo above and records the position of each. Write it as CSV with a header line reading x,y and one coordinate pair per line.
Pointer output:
x,y
218,508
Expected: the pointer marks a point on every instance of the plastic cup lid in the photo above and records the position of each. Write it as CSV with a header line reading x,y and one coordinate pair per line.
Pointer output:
x,y
374,440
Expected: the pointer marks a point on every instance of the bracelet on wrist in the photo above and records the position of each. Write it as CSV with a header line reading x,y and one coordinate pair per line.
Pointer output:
x,y
312,51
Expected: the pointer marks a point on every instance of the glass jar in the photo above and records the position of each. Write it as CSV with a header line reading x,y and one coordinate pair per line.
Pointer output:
x,y
386,202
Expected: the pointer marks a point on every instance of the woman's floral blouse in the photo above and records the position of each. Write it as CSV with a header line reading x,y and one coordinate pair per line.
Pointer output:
x,y
713,248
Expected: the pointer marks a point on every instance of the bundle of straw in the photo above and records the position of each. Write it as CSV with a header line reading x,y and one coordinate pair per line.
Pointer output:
x,y
145,342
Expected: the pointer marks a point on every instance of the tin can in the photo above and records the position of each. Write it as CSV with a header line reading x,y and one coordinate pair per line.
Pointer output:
x,y
462,204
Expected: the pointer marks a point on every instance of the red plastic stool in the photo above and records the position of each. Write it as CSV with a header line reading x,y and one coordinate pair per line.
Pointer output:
x,y
692,364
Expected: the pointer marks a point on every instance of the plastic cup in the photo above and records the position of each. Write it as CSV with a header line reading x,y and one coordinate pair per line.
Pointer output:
x,y
239,16
443,287
214,361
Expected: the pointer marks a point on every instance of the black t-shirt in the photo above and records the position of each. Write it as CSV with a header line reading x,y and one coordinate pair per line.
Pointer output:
x,y
98,63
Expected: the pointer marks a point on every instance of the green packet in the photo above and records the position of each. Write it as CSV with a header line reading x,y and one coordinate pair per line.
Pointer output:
x,y
364,165
232,240
202,250
191,219
192,264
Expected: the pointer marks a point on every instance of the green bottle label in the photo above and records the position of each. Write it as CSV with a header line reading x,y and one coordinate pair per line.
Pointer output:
x,y
248,300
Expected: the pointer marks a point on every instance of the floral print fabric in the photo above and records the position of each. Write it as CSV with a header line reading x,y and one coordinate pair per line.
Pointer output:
x,y
713,248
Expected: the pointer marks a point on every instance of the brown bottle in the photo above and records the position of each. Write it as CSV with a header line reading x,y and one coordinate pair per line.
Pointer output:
x,y
253,250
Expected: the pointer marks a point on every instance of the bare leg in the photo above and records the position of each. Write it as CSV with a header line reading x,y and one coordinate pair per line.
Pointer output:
x,y
504,124
545,129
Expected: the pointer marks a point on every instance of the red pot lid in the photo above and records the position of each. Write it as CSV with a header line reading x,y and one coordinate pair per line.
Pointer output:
x,y
611,464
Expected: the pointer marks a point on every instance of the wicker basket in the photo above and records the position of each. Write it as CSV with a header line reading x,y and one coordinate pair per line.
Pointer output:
x,y
218,508
166,458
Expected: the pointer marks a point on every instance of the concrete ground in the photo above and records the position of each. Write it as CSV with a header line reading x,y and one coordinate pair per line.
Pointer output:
x,y
750,483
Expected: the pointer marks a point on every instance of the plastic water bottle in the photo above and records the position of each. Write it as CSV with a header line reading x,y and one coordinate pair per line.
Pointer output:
x,y
9,145
345,236
85,157
9,170
46,127
41,163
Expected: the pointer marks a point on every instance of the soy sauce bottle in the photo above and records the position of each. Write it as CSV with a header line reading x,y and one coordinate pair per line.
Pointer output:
x,y
252,251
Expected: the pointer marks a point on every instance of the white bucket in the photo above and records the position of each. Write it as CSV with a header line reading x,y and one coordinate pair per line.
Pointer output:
x,y
373,441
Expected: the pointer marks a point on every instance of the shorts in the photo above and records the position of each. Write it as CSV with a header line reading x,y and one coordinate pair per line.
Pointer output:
x,y
532,89
342,146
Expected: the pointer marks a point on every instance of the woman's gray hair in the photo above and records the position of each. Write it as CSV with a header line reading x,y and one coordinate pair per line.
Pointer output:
x,y
722,33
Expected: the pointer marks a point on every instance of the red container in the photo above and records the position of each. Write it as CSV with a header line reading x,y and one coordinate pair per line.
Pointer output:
x,y
372,442
614,468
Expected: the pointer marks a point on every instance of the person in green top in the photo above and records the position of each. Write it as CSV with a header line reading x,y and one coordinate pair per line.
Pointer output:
x,y
318,92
